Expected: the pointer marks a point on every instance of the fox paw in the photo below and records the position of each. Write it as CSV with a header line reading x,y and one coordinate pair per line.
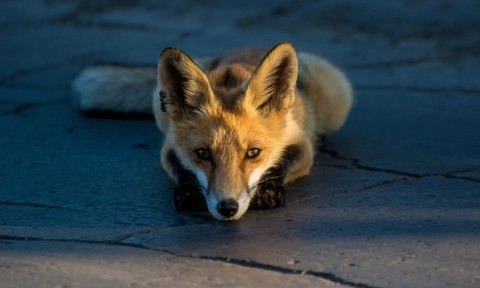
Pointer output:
x,y
188,198
270,194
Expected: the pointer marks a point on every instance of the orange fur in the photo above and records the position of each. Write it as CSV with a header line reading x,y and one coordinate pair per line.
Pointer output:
x,y
232,106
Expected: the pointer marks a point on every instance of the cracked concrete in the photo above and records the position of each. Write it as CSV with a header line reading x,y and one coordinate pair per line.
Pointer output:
x,y
355,163
108,265
392,200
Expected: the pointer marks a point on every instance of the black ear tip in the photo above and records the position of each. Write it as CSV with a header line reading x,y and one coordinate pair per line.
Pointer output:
x,y
170,49
167,50
171,52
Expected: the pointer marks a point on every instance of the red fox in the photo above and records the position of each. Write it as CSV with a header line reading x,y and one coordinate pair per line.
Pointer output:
x,y
237,127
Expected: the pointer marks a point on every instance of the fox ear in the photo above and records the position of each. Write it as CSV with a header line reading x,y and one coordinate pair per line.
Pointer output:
x,y
185,88
271,87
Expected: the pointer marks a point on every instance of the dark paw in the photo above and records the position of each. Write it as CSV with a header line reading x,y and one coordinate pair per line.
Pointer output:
x,y
270,194
188,198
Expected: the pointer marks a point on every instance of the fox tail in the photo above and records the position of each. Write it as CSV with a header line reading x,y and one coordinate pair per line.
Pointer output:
x,y
115,89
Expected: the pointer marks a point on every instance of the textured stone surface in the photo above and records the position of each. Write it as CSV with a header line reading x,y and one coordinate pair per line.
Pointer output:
x,y
392,201
24,264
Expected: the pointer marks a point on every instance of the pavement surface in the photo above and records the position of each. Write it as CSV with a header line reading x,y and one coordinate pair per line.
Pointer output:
x,y
392,201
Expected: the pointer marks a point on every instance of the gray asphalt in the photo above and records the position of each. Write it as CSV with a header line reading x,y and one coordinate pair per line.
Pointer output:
x,y
392,201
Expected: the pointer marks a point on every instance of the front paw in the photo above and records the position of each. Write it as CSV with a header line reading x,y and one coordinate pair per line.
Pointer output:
x,y
270,194
189,198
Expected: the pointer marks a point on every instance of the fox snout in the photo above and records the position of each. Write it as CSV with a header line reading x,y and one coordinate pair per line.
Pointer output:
x,y
227,208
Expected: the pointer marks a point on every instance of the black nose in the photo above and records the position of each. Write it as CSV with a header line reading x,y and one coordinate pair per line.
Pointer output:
x,y
228,207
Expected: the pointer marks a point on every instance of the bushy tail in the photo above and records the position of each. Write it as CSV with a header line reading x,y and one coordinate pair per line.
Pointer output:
x,y
330,91
115,89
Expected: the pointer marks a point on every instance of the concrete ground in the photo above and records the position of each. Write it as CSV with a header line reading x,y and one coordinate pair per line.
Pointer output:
x,y
393,199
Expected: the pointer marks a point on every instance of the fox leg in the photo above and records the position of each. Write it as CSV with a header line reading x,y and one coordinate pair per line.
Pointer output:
x,y
295,162
187,195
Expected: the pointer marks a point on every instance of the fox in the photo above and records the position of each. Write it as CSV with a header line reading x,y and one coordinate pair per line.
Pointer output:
x,y
237,127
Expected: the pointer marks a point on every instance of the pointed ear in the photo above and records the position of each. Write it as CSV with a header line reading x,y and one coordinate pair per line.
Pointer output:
x,y
185,88
272,86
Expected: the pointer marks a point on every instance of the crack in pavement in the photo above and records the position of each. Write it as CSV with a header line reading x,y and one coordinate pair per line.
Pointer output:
x,y
455,54
36,205
35,87
283,270
451,174
109,25
22,73
31,105
120,238
96,7
331,277
357,165
86,8
467,178
475,91
375,185
81,23
358,189
258,19
82,7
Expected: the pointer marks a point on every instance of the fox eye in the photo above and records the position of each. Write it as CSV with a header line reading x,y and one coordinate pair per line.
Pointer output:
x,y
253,153
203,154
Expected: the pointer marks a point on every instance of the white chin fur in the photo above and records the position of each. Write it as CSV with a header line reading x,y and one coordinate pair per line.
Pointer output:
x,y
243,203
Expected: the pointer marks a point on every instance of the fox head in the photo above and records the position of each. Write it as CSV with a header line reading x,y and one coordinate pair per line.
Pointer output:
x,y
228,132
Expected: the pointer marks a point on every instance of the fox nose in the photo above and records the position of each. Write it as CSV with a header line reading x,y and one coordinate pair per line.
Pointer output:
x,y
228,207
